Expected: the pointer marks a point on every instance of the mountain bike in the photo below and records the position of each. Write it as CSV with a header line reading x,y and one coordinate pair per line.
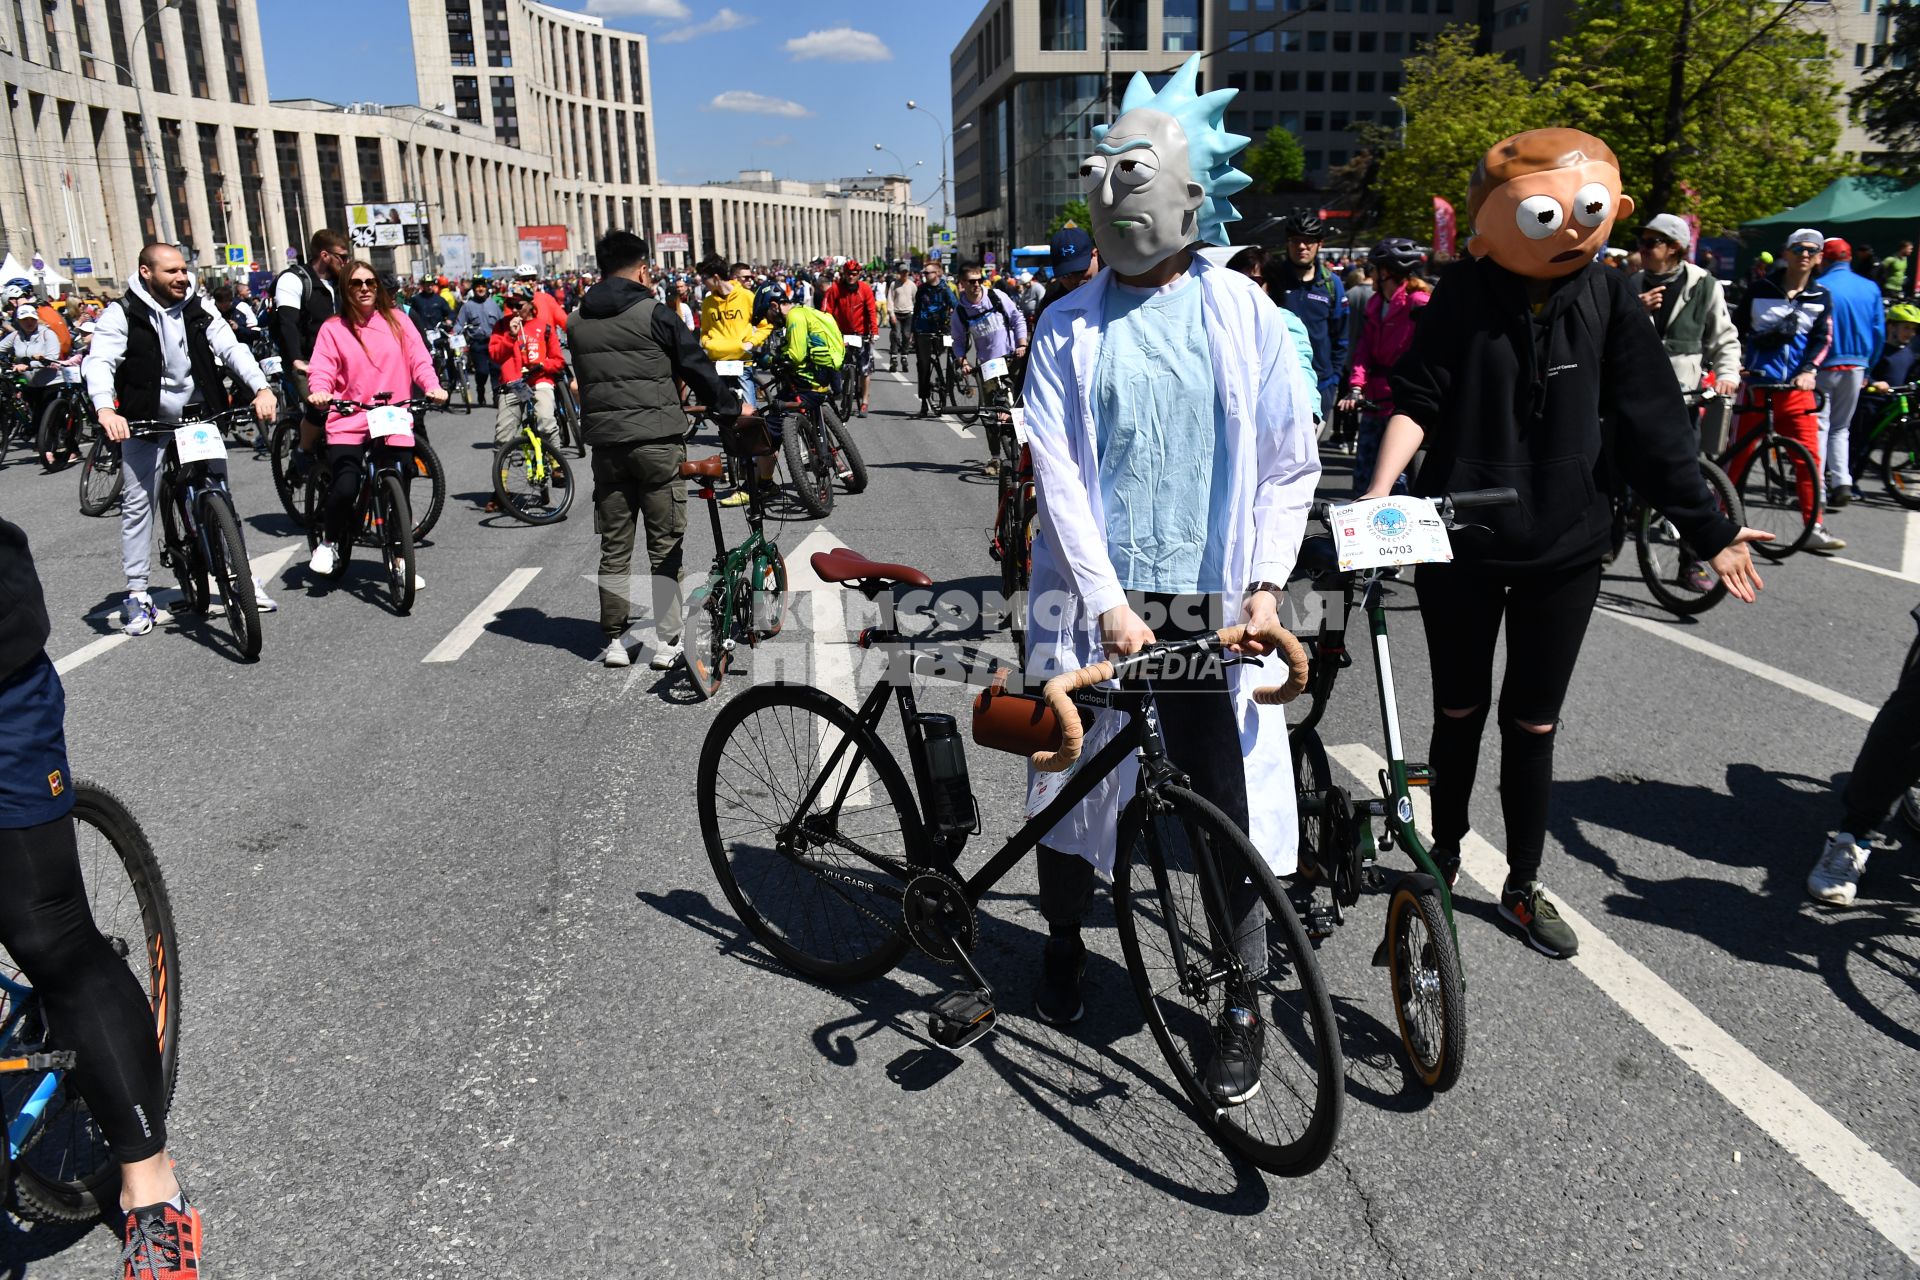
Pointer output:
x,y
459,379
200,529
743,601
531,481
55,1156
817,446
1010,541
64,421
1895,436
100,475
1339,846
381,514
16,420
941,391
1776,477
838,865
426,465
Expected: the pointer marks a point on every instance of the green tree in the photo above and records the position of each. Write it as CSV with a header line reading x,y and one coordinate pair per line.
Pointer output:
x,y
1276,162
1888,101
1721,108
1457,103
1074,212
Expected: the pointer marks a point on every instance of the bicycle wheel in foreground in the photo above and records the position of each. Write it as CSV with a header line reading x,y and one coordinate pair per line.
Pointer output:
x,y
1205,928
1769,485
538,491
232,575
394,525
816,872
66,1173
1429,999
1665,560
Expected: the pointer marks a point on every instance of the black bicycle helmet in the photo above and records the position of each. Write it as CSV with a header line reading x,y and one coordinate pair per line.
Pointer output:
x,y
1397,253
1304,224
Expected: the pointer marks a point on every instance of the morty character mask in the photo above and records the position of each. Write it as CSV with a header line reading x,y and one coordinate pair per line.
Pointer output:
x,y
1544,202
1159,177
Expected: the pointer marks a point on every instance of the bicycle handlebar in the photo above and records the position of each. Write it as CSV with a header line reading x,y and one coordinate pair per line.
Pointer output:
x,y
159,426
1059,690
1501,497
357,406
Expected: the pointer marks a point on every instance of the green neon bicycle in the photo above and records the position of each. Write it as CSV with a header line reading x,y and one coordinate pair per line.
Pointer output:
x,y
743,601
1339,846
531,481
1895,437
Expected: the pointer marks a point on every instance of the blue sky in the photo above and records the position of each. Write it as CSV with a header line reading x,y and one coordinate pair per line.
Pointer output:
x,y
802,89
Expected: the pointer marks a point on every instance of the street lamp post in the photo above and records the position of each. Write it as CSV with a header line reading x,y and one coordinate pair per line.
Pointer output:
x,y
888,197
946,141
426,116
162,200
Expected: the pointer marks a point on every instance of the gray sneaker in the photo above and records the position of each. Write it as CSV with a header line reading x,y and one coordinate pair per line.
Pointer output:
x,y
1529,907
1822,540
1835,879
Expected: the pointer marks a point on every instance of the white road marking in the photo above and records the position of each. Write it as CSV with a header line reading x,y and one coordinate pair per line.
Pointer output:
x,y
831,646
262,566
1910,548
1740,661
1827,1149
1874,568
93,648
953,424
474,625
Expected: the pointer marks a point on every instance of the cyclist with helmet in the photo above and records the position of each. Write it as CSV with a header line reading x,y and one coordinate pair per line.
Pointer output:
x,y
1386,331
850,301
1303,285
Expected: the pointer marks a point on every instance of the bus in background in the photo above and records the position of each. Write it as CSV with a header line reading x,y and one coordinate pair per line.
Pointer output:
x,y
1035,259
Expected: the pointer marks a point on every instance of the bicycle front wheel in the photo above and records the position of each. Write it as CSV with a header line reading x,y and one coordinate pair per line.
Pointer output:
x,y
1429,1000
100,477
809,464
66,1173
1775,485
811,829
1668,567
395,527
232,574
848,465
1205,928
530,486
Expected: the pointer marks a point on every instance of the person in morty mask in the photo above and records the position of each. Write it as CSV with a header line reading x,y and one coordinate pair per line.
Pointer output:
x,y
1173,450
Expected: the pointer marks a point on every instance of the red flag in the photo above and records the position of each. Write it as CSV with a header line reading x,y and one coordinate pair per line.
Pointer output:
x,y
1442,228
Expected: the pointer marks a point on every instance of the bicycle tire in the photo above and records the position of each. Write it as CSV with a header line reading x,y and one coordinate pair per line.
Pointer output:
x,y
66,1173
547,496
463,384
1658,549
862,933
1145,899
842,436
1423,968
280,446
768,592
1312,784
427,470
394,524
55,433
1900,463
703,648
182,549
811,475
968,395
567,409
232,572
1771,495
100,477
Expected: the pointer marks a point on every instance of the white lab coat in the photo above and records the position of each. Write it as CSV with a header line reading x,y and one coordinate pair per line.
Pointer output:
x,y
1274,465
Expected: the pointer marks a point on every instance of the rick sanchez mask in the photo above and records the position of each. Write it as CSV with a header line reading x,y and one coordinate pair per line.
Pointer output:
x,y
1159,177
1544,202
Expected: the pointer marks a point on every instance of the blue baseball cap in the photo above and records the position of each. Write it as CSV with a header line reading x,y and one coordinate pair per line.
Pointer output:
x,y
1071,251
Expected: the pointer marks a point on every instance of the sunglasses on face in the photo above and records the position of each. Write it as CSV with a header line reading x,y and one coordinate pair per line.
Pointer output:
x,y
361,283
1653,242
1803,248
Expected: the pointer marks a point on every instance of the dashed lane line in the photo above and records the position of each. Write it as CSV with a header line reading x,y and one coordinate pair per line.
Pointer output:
x,y
1741,662
952,423
1897,574
475,624
1827,1149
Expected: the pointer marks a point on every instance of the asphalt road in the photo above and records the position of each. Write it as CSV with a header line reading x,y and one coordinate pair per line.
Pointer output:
x,y
461,995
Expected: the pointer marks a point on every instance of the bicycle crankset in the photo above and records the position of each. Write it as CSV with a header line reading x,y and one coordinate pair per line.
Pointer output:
x,y
940,919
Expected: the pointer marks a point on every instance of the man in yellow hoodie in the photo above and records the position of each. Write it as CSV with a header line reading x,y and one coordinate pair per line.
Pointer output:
x,y
727,330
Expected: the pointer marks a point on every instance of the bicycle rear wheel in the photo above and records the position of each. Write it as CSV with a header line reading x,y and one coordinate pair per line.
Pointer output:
x,y
705,648
767,592
394,525
100,477
232,574
530,486
280,447
66,1172
427,472
809,464
849,467
56,431
182,548
1429,1000
1900,463
819,883
1665,558
1188,893
1769,486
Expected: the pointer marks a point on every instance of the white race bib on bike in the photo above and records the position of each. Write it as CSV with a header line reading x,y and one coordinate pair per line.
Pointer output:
x,y
457,341
946,340
389,420
270,366
854,340
729,368
70,375
1019,414
199,442
994,369
1384,531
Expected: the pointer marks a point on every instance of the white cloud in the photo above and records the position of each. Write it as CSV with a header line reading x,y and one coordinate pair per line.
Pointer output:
x,y
674,9
725,20
756,104
841,44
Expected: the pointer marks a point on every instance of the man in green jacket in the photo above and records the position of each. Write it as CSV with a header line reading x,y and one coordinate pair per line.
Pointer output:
x,y
628,351
1687,307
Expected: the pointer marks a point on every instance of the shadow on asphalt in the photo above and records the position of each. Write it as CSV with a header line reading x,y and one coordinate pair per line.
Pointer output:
x,y
1083,1080
1777,822
23,1243
578,636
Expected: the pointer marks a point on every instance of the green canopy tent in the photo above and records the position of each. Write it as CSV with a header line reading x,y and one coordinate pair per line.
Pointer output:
x,y
1845,200
1884,225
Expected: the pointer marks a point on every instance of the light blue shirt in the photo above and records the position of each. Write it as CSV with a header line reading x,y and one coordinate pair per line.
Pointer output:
x,y
1161,437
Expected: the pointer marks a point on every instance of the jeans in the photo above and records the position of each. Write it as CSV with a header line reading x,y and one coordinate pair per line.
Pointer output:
x,y
1842,391
640,483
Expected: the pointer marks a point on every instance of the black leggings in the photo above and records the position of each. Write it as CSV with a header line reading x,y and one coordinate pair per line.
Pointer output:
x,y
94,1005
1461,607
1889,760
348,462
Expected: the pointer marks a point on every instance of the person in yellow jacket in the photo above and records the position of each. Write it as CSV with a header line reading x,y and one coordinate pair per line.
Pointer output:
x,y
813,345
727,328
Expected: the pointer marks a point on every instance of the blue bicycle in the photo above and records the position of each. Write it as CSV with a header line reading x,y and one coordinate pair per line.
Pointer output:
x,y
55,1159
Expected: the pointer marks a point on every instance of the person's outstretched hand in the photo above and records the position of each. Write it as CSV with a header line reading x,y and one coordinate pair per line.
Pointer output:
x,y
1735,567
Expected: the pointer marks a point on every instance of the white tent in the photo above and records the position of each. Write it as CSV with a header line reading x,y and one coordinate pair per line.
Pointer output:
x,y
14,269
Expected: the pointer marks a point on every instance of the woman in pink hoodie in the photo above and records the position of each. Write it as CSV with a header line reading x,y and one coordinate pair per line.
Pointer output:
x,y
1386,331
369,348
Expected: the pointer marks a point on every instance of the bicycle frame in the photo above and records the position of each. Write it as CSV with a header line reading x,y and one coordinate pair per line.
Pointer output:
x,y
20,1127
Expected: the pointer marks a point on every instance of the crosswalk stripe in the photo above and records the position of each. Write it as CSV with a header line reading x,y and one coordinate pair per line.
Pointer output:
x,y
1827,1149
475,624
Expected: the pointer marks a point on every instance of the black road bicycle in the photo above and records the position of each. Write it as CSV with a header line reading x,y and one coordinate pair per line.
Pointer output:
x,y
838,864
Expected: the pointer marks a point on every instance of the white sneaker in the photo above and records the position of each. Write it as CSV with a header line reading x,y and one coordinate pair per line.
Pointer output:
x,y
1822,540
419,583
324,560
616,654
666,655
261,600
1836,877
137,614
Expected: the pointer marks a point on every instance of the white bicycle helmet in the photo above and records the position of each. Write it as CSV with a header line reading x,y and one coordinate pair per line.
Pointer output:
x,y
524,272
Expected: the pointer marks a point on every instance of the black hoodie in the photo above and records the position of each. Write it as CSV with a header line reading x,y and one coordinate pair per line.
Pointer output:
x,y
627,352
1509,396
24,625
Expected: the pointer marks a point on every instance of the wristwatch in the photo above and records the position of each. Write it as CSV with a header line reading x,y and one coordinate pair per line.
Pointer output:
x,y
1278,592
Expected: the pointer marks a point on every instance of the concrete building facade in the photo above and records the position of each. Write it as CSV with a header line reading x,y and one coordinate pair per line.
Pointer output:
x,y
135,120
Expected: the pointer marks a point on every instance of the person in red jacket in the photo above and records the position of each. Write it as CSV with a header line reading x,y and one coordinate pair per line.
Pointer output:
x,y
526,350
850,301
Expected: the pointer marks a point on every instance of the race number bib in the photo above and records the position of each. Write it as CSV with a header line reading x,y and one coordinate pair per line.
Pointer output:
x,y
994,368
729,368
1384,531
1019,413
199,442
458,341
270,366
946,340
389,420
70,375
854,340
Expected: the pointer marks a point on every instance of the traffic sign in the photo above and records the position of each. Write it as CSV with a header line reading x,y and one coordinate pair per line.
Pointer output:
x,y
237,255
79,266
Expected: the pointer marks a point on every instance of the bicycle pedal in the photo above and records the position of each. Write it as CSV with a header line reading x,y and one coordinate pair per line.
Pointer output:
x,y
961,1017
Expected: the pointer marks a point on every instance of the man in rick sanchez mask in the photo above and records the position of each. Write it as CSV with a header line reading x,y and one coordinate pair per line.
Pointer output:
x,y
1173,447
